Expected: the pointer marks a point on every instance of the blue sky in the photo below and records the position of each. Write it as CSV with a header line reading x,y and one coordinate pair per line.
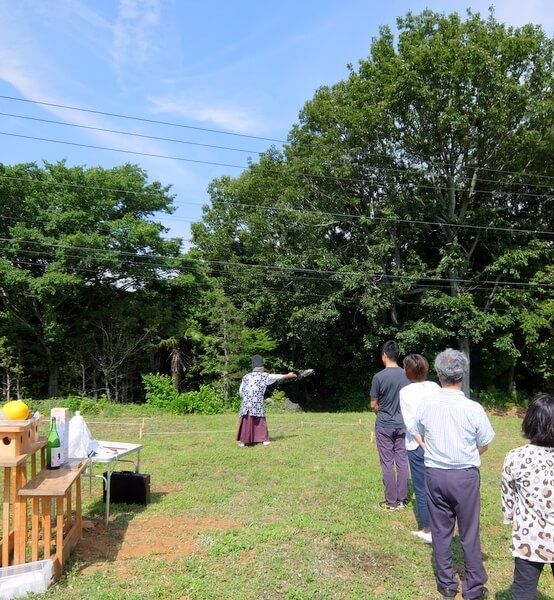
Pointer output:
x,y
217,73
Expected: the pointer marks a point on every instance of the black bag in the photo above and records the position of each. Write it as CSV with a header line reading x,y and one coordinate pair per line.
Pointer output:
x,y
127,487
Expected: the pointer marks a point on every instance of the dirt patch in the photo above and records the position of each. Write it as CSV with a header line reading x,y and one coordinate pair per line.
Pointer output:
x,y
513,411
155,537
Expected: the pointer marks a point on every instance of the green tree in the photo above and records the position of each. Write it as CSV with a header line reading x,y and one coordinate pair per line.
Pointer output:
x,y
225,343
73,242
413,200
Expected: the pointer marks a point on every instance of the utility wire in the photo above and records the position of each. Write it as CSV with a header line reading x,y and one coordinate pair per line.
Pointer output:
x,y
367,182
321,214
136,152
141,119
129,133
421,283
258,152
222,132
276,268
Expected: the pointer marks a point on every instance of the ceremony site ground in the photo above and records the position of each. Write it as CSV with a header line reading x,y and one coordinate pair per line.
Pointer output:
x,y
295,520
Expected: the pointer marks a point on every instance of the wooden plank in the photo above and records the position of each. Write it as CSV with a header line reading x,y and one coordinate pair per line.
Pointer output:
x,y
59,532
69,516
6,519
78,511
20,516
46,526
35,523
53,482
71,539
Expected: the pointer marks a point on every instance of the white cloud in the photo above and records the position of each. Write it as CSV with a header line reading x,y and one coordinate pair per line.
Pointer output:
x,y
133,39
222,116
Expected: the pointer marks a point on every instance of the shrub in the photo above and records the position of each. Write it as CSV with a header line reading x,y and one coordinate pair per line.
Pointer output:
x,y
500,399
160,391
206,401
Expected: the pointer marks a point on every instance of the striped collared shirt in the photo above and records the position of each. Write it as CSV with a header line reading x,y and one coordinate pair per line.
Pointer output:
x,y
453,428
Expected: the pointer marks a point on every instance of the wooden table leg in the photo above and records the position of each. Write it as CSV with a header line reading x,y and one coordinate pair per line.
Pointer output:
x,y
69,519
6,519
78,511
33,466
46,526
59,534
35,521
20,517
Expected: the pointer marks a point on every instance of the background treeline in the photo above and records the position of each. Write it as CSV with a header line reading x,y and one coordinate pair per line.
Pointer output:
x,y
413,200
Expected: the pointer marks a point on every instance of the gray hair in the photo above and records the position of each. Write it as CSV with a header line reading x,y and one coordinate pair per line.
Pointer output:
x,y
451,366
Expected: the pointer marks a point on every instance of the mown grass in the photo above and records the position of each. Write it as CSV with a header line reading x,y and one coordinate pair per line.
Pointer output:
x,y
302,516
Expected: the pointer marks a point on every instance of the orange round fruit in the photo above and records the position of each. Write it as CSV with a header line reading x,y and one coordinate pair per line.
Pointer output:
x,y
15,410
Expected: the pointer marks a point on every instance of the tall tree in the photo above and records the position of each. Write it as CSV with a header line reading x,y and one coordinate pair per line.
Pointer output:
x,y
72,240
414,198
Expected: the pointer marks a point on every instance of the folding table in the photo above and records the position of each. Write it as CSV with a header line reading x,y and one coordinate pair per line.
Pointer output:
x,y
111,454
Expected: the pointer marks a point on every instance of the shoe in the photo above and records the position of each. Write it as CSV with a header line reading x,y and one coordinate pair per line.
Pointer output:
x,y
266,443
484,594
401,505
386,506
447,593
241,445
423,535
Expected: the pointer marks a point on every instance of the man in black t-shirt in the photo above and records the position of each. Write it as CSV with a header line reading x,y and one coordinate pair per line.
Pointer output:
x,y
390,433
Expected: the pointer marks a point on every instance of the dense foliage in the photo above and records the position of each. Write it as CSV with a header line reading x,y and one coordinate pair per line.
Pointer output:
x,y
412,200
88,284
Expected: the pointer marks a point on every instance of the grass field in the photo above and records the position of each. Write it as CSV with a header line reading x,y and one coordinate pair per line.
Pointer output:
x,y
296,520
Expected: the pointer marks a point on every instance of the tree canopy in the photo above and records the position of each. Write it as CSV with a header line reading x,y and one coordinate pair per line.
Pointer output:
x,y
87,279
412,200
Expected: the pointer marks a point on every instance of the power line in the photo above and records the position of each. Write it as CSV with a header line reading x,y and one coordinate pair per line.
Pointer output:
x,y
276,268
136,152
129,133
288,209
222,132
422,283
369,182
142,119
491,228
211,146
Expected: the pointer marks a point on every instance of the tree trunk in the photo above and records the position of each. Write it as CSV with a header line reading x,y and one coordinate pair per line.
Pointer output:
x,y
53,374
511,382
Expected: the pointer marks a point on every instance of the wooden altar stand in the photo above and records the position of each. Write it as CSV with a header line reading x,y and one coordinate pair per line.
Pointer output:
x,y
52,499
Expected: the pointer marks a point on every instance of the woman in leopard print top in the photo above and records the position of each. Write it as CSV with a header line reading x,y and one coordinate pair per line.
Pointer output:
x,y
528,498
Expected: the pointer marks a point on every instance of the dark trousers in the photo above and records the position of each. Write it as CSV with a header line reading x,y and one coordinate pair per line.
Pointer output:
x,y
526,578
391,445
417,469
454,495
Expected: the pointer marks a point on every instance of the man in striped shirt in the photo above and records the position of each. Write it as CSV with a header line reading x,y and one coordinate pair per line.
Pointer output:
x,y
455,432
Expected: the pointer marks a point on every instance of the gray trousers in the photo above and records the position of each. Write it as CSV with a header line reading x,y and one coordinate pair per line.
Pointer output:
x,y
393,456
453,495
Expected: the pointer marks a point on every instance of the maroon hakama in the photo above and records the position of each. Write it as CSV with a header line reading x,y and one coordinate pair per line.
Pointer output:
x,y
252,430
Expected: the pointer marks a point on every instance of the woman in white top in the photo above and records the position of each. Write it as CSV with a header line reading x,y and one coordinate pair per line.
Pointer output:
x,y
411,396
528,498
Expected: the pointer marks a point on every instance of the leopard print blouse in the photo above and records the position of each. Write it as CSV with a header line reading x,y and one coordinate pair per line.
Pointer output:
x,y
528,501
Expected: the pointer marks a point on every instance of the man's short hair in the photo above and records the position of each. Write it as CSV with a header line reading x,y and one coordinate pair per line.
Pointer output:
x,y
451,366
391,350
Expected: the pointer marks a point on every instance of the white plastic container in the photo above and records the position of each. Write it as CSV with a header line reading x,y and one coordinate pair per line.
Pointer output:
x,y
19,580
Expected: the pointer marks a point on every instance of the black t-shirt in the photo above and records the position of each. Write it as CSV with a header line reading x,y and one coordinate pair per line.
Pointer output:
x,y
386,386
